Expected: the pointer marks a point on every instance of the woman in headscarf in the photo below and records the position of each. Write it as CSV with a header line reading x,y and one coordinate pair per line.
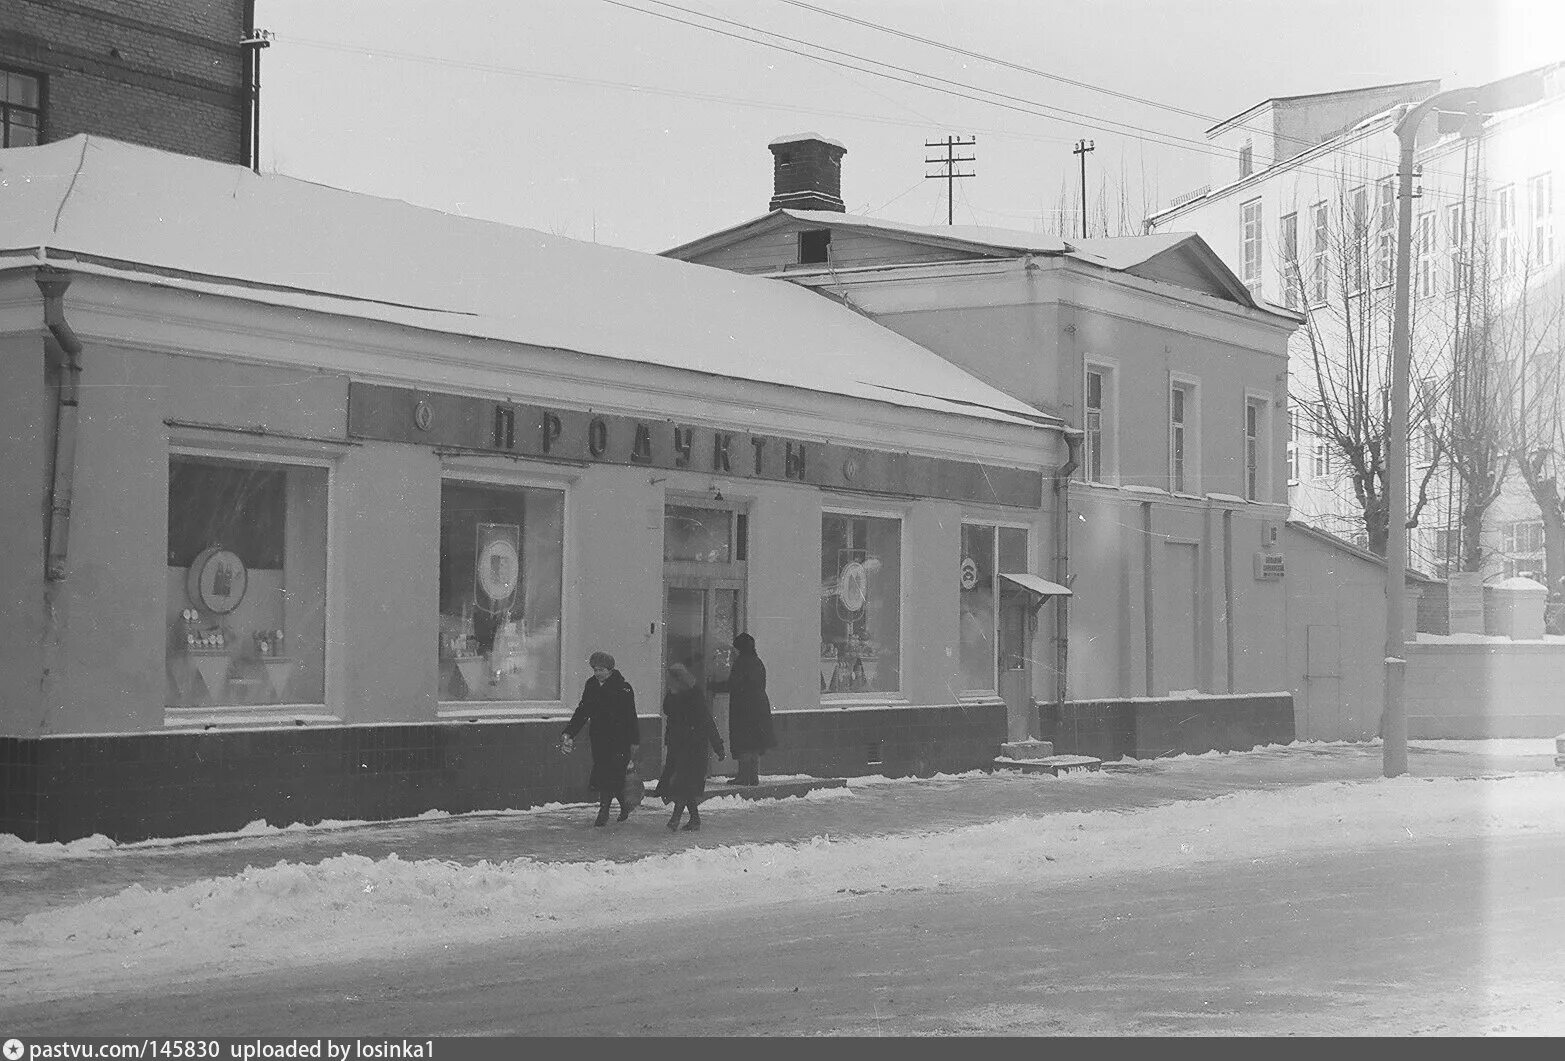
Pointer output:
x,y
750,731
609,704
688,731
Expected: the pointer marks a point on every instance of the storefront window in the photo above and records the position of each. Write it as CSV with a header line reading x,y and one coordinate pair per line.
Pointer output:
x,y
501,563
986,552
861,604
977,611
703,535
246,593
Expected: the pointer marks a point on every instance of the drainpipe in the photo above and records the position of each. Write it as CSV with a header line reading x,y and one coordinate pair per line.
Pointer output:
x,y
1062,525
1146,585
1228,591
52,283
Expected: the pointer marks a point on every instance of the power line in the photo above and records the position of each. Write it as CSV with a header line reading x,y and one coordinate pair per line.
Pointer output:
x,y
1022,68
1029,107
1169,140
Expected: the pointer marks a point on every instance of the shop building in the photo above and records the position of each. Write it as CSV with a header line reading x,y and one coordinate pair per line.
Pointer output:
x,y
1173,375
317,503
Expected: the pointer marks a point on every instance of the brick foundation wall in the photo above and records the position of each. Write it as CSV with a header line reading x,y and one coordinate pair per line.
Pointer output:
x,y
175,784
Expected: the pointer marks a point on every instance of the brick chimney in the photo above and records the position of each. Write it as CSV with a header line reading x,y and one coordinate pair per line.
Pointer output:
x,y
807,173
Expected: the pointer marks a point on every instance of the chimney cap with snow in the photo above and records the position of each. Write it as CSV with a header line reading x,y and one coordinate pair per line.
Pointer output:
x,y
806,173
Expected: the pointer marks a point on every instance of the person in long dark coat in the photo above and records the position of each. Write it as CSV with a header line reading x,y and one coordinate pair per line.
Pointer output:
x,y
688,730
608,706
750,732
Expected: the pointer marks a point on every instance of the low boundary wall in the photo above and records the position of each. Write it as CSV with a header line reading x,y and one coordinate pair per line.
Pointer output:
x,y
1487,689
1145,728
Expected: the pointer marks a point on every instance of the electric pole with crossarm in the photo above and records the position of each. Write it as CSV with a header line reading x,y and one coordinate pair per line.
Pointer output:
x,y
950,176
1082,148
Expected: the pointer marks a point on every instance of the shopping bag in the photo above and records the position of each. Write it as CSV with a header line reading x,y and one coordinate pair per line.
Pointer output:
x,y
635,789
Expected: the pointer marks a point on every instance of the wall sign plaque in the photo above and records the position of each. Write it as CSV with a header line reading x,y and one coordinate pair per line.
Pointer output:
x,y
398,414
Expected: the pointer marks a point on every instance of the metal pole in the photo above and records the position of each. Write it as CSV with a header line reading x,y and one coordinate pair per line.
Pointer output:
x,y
1394,718
1515,91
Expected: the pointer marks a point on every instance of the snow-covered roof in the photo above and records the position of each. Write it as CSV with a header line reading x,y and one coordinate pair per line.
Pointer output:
x,y
174,219
1128,254
796,138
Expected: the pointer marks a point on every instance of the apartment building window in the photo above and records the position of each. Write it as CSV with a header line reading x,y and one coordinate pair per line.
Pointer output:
x,y
1522,536
21,109
1293,447
1426,254
1254,447
1456,245
1385,234
815,246
1320,456
1543,220
1321,243
1358,236
1098,424
1505,227
1182,437
1288,234
1250,238
1246,159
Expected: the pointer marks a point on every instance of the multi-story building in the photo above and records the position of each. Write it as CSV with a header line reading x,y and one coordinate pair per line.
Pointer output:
x,y
1302,203
170,74
1172,372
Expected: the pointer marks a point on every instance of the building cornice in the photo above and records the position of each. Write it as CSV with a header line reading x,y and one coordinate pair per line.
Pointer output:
x,y
135,313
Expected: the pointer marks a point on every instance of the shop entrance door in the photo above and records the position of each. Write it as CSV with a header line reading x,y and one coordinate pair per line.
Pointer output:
x,y
1015,662
701,615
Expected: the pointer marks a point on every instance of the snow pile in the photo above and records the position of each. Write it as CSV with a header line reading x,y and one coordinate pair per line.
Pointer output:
x,y
354,907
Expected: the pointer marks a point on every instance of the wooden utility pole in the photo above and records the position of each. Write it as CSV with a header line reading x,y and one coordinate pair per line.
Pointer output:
x,y
1082,148
950,176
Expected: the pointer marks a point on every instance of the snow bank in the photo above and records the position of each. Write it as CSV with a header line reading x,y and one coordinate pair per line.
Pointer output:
x,y
352,907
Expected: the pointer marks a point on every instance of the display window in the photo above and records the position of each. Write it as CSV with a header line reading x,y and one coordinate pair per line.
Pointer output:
x,y
501,570
861,604
246,591
987,550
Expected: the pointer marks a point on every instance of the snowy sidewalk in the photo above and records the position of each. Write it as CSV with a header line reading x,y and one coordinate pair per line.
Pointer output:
x,y
36,877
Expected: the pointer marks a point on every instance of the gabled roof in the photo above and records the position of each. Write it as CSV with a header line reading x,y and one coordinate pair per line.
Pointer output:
x,y
1180,258
172,219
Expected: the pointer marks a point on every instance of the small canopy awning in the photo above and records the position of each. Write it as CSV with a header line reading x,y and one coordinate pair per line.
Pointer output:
x,y
1037,585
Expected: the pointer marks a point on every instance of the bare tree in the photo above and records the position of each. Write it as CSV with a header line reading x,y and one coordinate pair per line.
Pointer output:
x,y
1344,288
1534,364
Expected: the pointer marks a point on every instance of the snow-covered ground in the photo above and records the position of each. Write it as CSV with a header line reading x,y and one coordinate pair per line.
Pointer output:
x,y
353,907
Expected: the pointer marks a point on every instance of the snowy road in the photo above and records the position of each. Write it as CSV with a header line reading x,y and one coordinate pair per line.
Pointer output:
x,y
1426,938
1283,890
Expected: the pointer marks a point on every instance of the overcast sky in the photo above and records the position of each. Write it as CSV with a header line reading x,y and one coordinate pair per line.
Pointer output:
x,y
608,120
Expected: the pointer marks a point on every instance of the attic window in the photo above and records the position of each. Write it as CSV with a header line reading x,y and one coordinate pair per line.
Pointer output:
x,y
815,246
1246,159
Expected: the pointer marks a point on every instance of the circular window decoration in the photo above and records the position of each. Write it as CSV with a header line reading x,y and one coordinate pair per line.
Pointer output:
x,y
853,586
217,580
969,572
423,416
498,568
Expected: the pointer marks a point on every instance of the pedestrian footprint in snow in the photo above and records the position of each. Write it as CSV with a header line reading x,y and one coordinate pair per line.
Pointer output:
x,y
688,731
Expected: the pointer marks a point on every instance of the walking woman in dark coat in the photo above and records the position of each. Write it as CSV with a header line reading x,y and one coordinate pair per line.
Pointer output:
x,y
688,730
608,704
750,731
